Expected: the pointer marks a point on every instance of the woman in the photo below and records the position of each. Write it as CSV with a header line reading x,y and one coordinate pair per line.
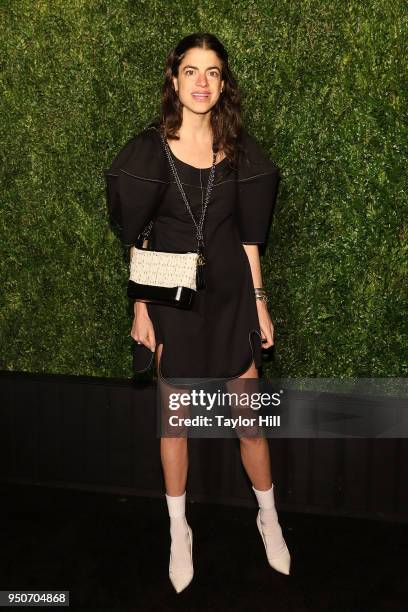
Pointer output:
x,y
220,337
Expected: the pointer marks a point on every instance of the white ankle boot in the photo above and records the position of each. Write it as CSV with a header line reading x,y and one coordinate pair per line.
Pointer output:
x,y
267,521
181,570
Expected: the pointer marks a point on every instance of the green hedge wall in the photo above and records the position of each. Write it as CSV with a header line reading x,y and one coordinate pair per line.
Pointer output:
x,y
323,84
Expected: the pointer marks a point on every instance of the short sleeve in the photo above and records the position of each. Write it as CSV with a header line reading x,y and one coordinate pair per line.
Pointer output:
x,y
256,200
132,203
258,180
133,193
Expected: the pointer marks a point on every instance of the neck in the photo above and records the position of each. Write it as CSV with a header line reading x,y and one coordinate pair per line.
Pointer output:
x,y
195,127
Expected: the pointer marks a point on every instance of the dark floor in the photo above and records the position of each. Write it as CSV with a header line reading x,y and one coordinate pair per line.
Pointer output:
x,y
112,553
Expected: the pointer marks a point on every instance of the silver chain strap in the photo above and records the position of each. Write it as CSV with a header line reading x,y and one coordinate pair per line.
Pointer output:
x,y
200,225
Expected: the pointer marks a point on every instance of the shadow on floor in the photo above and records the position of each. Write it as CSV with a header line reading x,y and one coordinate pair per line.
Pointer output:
x,y
112,553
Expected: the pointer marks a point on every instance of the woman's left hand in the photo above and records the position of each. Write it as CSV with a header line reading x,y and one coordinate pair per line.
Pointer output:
x,y
265,324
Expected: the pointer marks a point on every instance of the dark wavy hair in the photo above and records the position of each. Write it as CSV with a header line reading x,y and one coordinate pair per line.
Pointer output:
x,y
226,122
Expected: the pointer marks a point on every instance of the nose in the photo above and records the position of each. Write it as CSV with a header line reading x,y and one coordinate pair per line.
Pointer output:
x,y
202,79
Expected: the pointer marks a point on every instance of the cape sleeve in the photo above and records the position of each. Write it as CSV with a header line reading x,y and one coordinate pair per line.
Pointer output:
x,y
258,180
135,184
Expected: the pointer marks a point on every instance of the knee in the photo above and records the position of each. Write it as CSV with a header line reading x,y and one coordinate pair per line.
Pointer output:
x,y
175,442
252,441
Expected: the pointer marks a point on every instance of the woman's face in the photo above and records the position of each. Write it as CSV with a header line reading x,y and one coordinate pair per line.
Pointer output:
x,y
199,80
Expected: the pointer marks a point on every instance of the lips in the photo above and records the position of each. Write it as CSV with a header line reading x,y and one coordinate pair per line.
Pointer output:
x,y
201,96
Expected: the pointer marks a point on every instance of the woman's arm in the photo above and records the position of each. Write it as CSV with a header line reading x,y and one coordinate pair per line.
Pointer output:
x,y
142,327
265,322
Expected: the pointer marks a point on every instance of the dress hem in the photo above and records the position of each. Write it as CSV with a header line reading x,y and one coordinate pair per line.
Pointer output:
x,y
210,379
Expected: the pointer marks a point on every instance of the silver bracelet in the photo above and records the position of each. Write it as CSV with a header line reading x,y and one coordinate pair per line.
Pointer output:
x,y
260,294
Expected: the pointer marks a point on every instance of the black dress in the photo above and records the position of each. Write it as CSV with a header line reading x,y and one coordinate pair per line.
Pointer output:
x,y
220,336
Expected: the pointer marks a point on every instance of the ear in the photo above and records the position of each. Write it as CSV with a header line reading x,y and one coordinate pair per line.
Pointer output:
x,y
175,83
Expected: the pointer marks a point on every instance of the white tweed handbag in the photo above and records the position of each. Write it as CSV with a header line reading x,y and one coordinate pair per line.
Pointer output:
x,y
162,269
170,278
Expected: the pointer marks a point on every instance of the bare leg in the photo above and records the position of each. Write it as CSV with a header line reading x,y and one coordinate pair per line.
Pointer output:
x,y
255,451
174,455
174,458
256,460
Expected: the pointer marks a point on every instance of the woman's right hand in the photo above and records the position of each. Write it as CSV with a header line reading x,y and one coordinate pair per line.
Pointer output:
x,y
142,329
